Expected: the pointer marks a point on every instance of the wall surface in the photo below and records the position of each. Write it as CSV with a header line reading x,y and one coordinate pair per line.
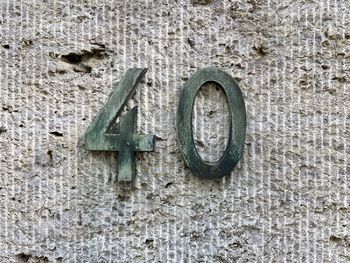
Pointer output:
x,y
288,199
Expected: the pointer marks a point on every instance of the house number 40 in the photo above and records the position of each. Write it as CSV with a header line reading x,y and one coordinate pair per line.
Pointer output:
x,y
103,136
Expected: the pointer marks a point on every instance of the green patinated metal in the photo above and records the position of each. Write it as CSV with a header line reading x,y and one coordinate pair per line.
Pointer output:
x,y
102,135
235,145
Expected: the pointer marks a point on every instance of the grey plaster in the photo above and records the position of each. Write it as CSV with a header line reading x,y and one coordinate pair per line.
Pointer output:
x,y
286,201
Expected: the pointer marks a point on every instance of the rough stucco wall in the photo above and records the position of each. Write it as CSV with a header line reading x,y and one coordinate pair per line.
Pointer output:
x,y
287,200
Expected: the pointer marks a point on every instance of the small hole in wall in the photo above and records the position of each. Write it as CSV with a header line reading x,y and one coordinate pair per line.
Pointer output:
x,y
72,58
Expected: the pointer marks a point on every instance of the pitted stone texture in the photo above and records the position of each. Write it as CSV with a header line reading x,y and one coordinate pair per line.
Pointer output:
x,y
287,200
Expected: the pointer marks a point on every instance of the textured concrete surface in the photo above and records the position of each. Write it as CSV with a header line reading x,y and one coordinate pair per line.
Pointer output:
x,y
287,200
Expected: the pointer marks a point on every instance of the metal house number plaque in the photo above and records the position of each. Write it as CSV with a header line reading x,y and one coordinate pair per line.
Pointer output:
x,y
103,136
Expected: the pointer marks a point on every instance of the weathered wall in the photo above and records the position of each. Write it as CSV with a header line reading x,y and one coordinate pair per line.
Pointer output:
x,y
287,200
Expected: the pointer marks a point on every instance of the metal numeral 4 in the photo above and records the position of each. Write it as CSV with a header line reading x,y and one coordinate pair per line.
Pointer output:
x,y
101,136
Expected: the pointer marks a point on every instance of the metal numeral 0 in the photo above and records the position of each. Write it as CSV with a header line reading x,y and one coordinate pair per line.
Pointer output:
x,y
102,136
235,145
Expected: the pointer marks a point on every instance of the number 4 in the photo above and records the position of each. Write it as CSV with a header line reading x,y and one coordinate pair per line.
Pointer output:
x,y
103,136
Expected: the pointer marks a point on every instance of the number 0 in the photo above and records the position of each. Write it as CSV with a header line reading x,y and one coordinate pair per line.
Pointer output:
x,y
235,145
